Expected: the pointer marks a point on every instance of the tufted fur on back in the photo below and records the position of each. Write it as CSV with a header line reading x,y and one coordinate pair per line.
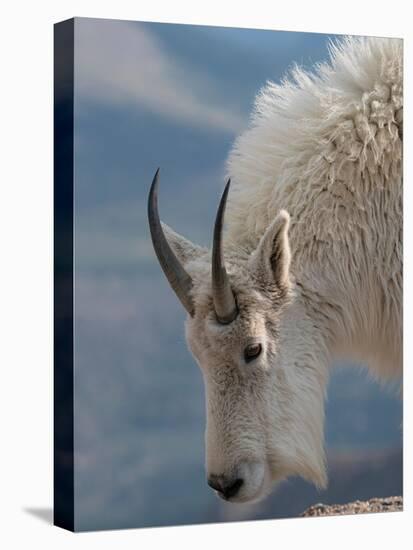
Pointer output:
x,y
327,147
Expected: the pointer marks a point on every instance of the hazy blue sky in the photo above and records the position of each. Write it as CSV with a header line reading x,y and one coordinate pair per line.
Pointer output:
x,y
174,96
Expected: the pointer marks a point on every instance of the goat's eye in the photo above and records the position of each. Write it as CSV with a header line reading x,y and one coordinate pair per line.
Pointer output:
x,y
252,352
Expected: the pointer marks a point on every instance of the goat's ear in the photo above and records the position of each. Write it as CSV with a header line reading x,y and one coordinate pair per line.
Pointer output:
x,y
184,249
270,261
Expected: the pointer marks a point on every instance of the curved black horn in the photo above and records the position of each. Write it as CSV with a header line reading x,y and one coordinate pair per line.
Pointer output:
x,y
178,278
224,300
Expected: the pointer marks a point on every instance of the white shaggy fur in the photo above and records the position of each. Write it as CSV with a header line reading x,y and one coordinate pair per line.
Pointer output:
x,y
327,147
314,256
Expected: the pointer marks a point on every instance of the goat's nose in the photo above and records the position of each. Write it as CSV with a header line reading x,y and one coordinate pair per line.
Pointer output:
x,y
227,487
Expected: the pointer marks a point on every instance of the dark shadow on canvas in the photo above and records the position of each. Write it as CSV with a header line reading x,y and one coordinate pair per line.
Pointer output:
x,y
45,514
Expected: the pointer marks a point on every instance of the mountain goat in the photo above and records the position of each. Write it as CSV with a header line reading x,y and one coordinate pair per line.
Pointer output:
x,y
308,269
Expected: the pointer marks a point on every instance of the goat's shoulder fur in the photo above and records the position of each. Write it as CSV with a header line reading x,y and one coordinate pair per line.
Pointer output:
x,y
327,147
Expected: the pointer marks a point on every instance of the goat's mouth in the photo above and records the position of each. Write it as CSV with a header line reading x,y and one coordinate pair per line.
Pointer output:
x,y
252,484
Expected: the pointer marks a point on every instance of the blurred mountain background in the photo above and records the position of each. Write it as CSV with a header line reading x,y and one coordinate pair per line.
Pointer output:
x,y
176,96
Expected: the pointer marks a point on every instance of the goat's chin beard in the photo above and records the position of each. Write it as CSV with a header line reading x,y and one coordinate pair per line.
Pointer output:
x,y
273,478
311,469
